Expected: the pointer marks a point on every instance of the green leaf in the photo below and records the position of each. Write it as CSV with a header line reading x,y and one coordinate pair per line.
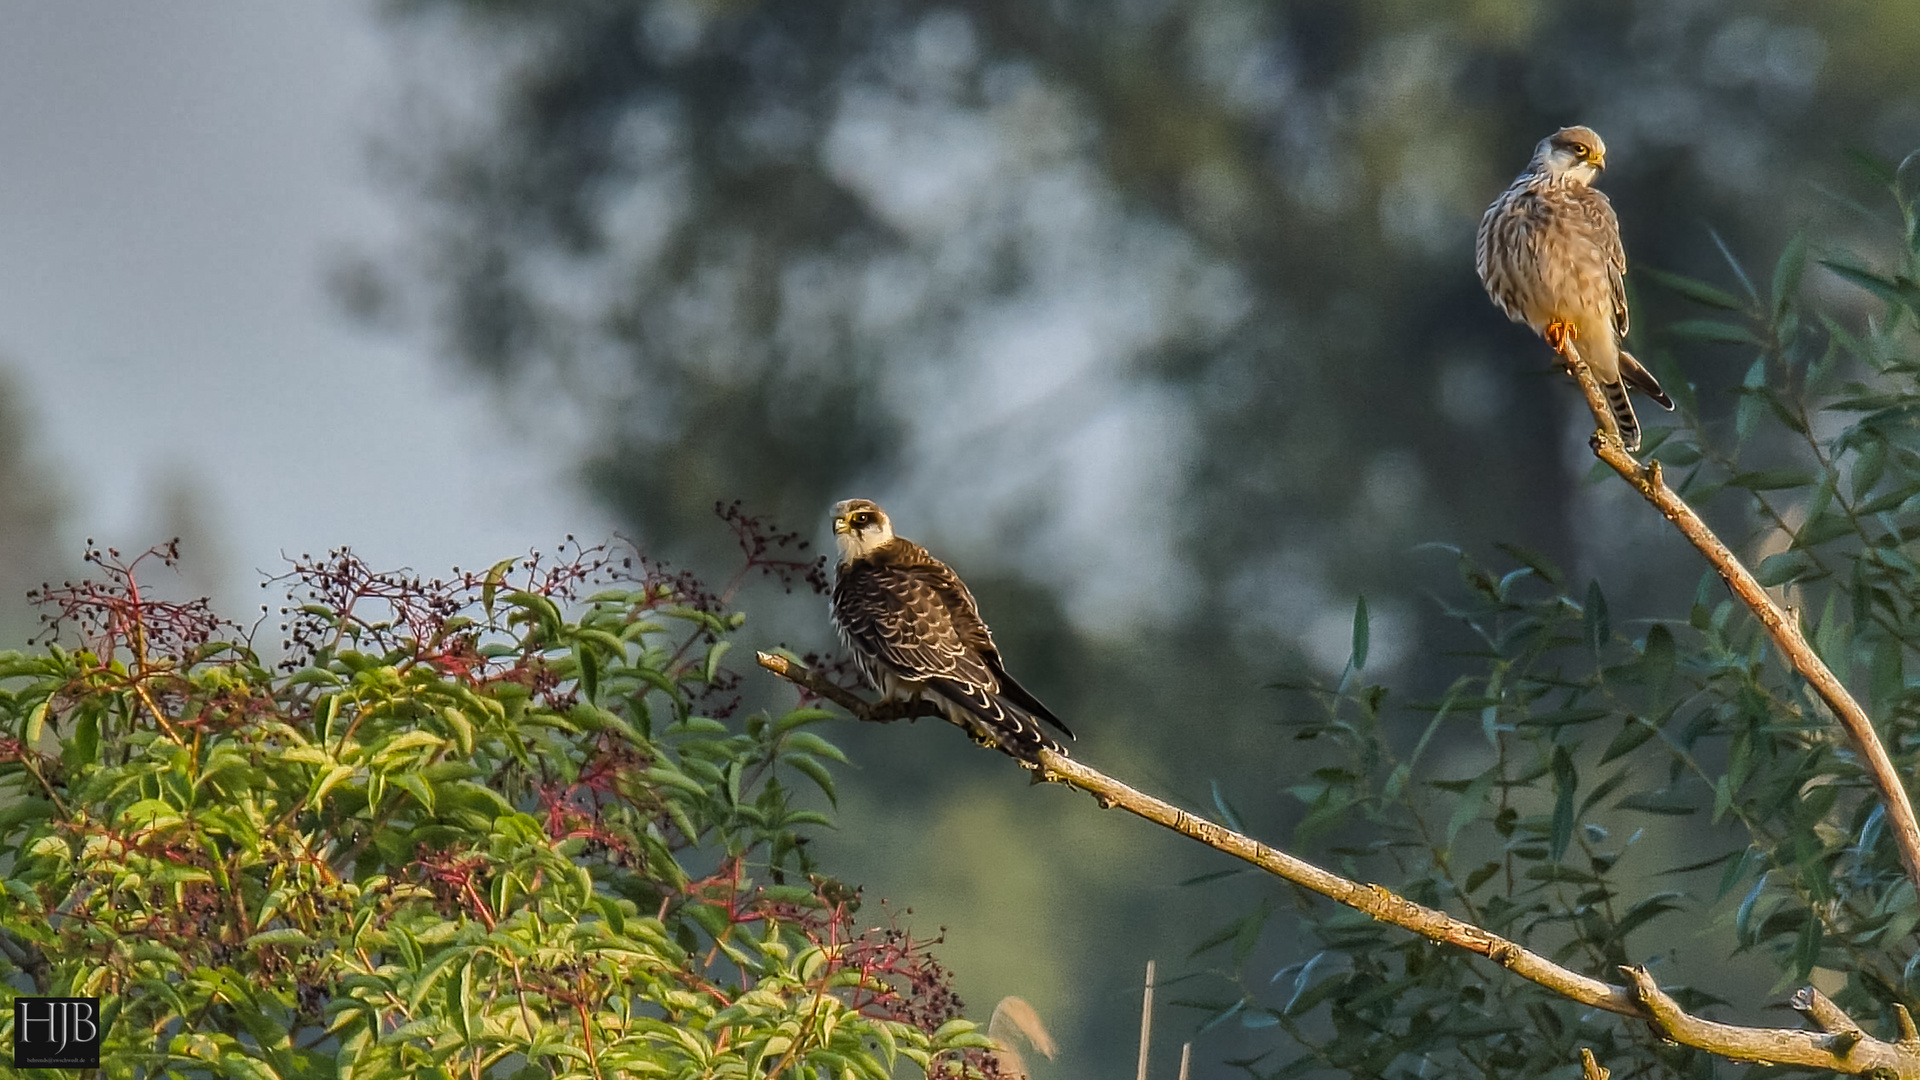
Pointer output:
x,y
1771,479
1889,673
1659,659
1871,166
1532,559
1594,618
1787,272
1738,270
588,663
490,586
1697,291
1783,567
816,772
1565,780
1821,528
1869,462
1632,733
1736,869
1249,933
36,726
1806,952
1713,330
1902,291
1216,875
86,739
1360,634
1657,803
1646,911
1481,875
1467,807
1227,813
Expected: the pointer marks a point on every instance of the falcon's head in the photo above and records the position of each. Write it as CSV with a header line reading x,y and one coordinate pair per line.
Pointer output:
x,y
859,526
1576,153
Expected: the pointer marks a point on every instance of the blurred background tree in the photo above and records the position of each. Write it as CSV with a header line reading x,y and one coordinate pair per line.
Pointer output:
x,y
30,512
1156,317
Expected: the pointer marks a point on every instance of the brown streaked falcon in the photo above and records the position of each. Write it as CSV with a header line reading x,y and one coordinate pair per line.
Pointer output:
x,y
915,632
1549,254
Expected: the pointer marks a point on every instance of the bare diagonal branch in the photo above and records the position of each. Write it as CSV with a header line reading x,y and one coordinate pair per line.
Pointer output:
x,y
1846,1050
1785,632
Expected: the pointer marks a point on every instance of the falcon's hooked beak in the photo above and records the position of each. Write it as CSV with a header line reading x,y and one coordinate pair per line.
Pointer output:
x,y
1598,161
841,526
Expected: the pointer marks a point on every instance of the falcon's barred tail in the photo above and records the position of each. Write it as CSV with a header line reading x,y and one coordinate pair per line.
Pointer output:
x,y
1638,377
1005,722
1623,417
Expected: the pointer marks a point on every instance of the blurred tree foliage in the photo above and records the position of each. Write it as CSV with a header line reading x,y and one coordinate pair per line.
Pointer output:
x,y
500,826
1155,316
30,510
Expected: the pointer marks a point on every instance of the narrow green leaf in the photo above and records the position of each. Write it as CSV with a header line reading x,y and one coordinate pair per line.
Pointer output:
x,y
1901,291
1787,272
1467,808
1565,781
1771,479
36,726
1227,813
1738,270
1594,618
1806,952
1697,291
1713,330
1646,911
1869,462
1657,803
1481,875
588,663
1632,733
1743,916
1783,567
1871,166
1889,673
1217,875
1736,869
1659,657
1360,633
816,772
1249,935
490,588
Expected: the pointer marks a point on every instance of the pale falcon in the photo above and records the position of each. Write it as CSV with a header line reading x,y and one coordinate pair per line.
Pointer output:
x,y
914,630
1549,254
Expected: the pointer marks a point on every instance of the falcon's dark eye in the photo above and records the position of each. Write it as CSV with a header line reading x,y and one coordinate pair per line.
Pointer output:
x,y
1579,150
862,519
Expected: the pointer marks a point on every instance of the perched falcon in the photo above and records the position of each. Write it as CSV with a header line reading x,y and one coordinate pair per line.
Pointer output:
x,y
1549,254
914,631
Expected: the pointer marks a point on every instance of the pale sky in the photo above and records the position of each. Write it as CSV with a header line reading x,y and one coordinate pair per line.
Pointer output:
x,y
174,180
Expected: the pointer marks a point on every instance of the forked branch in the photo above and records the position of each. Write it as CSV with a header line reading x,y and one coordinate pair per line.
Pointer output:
x,y
1845,1050
1783,629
